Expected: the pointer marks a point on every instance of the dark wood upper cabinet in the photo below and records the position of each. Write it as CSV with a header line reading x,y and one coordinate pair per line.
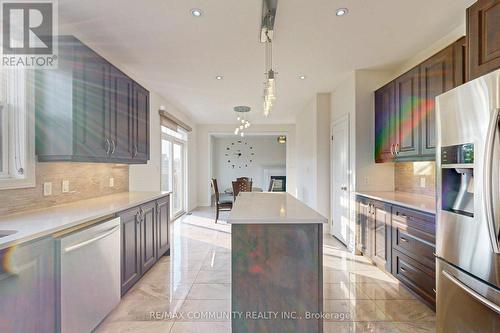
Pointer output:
x,y
141,123
87,110
91,103
405,128
460,73
437,77
483,37
407,114
384,127
120,115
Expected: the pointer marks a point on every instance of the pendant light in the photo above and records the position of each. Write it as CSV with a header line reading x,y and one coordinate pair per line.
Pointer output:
x,y
241,118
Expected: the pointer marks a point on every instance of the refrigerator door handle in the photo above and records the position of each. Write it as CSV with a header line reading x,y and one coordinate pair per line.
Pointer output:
x,y
488,183
472,293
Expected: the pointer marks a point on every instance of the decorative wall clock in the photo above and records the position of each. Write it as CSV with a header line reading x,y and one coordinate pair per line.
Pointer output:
x,y
239,154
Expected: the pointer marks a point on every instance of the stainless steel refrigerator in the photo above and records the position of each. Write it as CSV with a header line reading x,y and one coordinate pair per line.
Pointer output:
x,y
468,202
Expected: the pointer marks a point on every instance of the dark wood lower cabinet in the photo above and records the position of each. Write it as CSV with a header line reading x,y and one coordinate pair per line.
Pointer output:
x,y
419,278
144,239
374,228
401,241
148,236
162,223
130,248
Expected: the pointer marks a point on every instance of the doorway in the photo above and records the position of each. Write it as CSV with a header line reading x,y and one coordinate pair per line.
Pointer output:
x,y
340,185
173,168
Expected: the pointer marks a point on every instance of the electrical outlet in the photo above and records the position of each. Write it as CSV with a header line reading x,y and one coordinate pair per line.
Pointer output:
x,y
65,186
422,182
111,182
47,189
367,180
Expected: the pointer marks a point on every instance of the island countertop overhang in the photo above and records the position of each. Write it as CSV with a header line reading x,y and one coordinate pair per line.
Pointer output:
x,y
272,208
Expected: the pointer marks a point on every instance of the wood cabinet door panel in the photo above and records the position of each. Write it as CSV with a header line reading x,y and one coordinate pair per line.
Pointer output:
x,y
483,37
91,105
121,110
436,77
141,125
407,114
420,279
414,243
148,236
384,123
162,215
363,215
382,235
460,62
130,248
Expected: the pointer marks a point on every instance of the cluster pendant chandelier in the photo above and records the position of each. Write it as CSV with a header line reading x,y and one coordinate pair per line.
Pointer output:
x,y
266,36
243,122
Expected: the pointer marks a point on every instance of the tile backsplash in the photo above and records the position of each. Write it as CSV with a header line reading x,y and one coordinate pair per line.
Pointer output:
x,y
86,180
410,176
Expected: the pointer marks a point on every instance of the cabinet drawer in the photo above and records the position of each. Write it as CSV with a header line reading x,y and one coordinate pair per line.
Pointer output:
x,y
414,219
417,277
415,243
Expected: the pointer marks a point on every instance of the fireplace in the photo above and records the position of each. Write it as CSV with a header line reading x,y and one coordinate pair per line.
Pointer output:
x,y
279,183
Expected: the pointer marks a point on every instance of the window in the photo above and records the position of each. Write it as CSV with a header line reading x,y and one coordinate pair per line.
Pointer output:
x,y
17,153
173,164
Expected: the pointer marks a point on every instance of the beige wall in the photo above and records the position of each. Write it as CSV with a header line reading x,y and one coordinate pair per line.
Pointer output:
x,y
313,154
408,177
87,180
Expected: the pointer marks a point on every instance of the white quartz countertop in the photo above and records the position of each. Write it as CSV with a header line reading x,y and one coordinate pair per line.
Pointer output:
x,y
270,208
419,202
43,222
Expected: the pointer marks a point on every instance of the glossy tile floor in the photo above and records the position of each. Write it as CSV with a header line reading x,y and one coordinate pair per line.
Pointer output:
x,y
189,291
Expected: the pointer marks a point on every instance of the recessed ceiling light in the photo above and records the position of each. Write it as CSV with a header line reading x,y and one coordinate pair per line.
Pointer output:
x,y
302,77
342,11
219,77
196,12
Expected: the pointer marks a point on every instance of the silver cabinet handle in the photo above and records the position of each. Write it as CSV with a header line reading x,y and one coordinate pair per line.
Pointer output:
x,y
113,147
134,151
107,145
488,184
472,293
396,149
392,150
92,240
404,239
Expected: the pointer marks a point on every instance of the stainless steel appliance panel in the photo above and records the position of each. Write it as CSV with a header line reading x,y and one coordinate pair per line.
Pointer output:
x,y
465,304
89,281
469,115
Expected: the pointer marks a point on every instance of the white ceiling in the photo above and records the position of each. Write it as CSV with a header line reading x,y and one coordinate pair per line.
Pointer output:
x,y
179,56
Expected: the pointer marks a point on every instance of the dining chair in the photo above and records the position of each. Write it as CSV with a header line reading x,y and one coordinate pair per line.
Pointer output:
x,y
244,178
271,185
241,186
220,205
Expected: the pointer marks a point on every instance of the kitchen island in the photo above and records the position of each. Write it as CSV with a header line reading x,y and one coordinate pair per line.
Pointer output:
x,y
277,276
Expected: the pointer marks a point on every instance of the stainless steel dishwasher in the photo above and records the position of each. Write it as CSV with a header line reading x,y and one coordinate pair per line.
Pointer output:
x,y
89,276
